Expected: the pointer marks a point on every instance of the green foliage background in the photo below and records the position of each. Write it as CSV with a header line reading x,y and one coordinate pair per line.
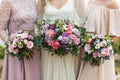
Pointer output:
x,y
2,52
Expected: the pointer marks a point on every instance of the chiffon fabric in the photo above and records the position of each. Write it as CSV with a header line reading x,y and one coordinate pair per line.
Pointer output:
x,y
54,67
14,16
101,20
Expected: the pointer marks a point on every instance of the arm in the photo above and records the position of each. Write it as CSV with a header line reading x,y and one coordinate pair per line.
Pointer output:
x,y
5,9
113,5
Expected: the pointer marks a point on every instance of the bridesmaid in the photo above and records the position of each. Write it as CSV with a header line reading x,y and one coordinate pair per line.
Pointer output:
x,y
56,67
103,18
14,16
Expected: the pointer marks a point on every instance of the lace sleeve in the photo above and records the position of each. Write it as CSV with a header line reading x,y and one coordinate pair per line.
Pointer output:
x,y
5,9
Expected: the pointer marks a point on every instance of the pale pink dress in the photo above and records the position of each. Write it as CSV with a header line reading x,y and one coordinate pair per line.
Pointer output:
x,y
16,15
101,20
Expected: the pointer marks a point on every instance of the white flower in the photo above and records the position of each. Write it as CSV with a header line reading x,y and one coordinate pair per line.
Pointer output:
x,y
25,41
65,27
60,38
97,46
52,22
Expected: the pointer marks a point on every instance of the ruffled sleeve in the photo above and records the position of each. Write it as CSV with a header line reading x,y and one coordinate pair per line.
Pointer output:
x,y
115,22
5,12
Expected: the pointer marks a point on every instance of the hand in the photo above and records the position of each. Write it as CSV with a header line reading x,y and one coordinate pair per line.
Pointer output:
x,y
115,38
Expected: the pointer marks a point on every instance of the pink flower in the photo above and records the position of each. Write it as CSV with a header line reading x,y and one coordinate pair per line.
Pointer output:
x,y
89,40
24,35
55,44
15,51
69,32
95,54
73,37
103,43
105,52
10,48
12,37
70,26
87,47
30,44
100,36
51,33
77,41
76,31
30,37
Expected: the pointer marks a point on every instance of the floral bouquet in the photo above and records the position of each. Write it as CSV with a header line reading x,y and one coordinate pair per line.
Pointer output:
x,y
97,49
60,36
20,45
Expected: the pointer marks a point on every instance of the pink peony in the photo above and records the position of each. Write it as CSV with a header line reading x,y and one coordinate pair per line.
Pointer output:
x,y
30,44
105,52
89,40
87,47
30,37
77,41
95,54
73,37
55,44
51,33
69,32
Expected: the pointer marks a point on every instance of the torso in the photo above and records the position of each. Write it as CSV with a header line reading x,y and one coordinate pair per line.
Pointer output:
x,y
23,15
66,11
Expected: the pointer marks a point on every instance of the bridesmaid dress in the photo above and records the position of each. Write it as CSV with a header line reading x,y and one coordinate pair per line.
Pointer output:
x,y
101,20
55,67
14,16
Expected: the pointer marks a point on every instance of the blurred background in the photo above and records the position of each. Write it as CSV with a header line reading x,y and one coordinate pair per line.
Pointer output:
x,y
117,55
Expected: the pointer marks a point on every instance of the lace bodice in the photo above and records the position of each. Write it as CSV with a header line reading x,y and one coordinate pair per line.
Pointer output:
x,y
16,15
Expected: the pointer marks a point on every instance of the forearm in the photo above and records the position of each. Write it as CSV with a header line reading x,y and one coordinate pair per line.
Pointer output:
x,y
4,36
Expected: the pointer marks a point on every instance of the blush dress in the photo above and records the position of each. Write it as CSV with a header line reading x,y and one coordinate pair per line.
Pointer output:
x,y
101,20
14,16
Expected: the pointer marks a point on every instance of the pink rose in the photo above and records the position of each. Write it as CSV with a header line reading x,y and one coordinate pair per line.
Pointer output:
x,y
30,37
87,47
51,33
10,48
12,37
55,44
15,51
70,26
69,32
30,44
95,54
73,37
77,41
105,52
89,40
